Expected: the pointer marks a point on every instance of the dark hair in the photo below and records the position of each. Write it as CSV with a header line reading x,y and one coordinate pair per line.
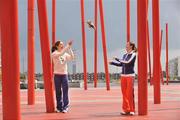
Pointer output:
x,y
133,46
54,47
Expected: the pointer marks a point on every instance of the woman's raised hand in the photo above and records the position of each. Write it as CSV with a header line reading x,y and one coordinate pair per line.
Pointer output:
x,y
70,43
114,58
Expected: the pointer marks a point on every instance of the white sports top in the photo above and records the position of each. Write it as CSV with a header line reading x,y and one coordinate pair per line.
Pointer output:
x,y
60,60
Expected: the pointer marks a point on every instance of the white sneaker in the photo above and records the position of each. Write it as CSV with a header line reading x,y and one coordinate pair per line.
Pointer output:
x,y
131,113
58,111
124,113
65,110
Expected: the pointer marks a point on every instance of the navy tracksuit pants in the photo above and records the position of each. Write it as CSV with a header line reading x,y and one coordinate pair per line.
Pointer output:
x,y
61,86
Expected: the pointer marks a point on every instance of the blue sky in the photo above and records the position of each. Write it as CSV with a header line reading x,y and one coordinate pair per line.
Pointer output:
x,y
68,26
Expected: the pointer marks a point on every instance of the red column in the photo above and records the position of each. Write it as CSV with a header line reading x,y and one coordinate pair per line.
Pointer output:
x,y
161,72
167,70
84,44
46,57
142,53
128,19
53,30
31,28
104,44
95,43
53,21
156,51
148,44
10,60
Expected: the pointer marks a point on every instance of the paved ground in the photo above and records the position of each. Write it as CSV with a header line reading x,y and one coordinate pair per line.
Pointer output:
x,y
99,104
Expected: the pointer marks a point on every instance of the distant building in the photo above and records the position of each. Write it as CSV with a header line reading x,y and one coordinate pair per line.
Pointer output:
x,y
74,67
174,67
74,62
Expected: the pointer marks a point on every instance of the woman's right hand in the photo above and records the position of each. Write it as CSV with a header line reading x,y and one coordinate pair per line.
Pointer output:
x,y
70,43
110,61
114,58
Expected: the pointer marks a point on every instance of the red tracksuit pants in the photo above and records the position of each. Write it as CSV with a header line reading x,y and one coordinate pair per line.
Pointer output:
x,y
127,88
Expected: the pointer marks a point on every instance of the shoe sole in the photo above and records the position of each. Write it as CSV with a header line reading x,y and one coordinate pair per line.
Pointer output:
x,y
125,113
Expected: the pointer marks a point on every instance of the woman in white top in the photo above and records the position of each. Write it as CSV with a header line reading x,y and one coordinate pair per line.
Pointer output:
x,y
60,56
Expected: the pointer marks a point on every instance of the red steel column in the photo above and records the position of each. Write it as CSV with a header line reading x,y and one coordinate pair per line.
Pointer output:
x,y
104,44
128,19
95,42
10,60
53,21
31,28
46,57
161,72
142,53
156,51
84,44
53,30
167,70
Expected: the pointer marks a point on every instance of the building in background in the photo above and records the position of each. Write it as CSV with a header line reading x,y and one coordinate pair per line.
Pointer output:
x,y
74,64
174,68
74,67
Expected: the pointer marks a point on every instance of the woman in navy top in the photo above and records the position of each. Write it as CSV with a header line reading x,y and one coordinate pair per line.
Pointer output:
x,y
127,78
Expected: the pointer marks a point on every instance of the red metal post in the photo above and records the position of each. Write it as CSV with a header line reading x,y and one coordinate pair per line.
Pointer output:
x,y
84,44
95,43
53,30
10,60
161,72
128,19
46,57
53,21
167,70
148,44
31,28
142,53
104,44
156,51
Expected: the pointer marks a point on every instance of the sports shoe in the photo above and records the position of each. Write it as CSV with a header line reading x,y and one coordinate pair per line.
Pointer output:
x,y
65,110
131,113
125,113
58,111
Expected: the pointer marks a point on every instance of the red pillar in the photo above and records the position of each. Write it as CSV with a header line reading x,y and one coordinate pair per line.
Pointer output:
x,y
10,60
142,53
104,44
161,72
46,57
53,21
156,51
84,44
53,30
167,70
128,19
31,28
148,44
95,42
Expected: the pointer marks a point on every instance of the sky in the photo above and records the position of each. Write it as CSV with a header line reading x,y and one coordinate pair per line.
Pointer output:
x,y
68,27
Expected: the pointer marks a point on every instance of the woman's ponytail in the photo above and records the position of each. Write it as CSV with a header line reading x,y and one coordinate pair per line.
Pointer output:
x,y
54,47
133,47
